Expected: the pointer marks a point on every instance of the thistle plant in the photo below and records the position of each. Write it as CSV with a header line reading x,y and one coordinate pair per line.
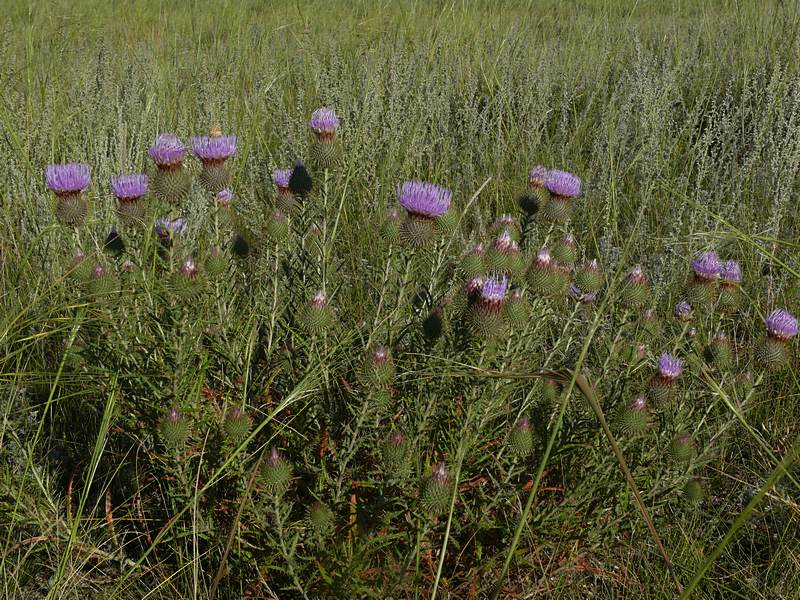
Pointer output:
x,y
285,200
546,277
324,123
634,416
437,490
563,187
521,439
474,262
171,183
663,383
504,256
424,202
703,289
486,317
213,151
276,472
173,429
129,190
774,352
565,250
730,293
316,316
635,290
589,277
69,183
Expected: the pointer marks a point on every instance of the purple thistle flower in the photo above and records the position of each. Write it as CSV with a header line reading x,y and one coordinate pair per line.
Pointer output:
x,y
167,151
494,289
129,187
562,183
639,403
70,178
669,366
781,324
280,178
166,228
683,310
707,266
224,197
731,272
424,199
324,122
214,148
537,176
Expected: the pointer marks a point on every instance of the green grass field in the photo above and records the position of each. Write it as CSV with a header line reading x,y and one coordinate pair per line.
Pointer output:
x,y
216,433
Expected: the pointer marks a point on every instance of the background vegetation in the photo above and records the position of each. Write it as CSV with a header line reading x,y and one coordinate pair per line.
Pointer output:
x,y
682,118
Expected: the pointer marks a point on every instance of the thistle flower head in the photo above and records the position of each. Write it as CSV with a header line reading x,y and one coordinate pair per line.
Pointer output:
x,y
128,266
440,474
423,198
189,268
280,177
379,355
474,285
683,310
543,259
561,183
319,300
707,266
99,271
213,148
174,415
568,240
504,221
537,176
669,366
70,178
731,272
781,324
224,197
324,120
637,276
639,403
166,227
275,457
168,150
504,242
129,187
494,289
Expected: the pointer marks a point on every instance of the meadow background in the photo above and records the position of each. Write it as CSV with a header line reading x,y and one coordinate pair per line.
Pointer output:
x,y
683,120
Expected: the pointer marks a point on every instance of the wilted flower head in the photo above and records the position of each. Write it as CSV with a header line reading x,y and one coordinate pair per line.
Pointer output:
x,y
214,148
224,197
129,187
669,366
319,300
562,183
474,285
580,296
168,150
189,268
379,355
683,310
505,242
281,178
543,258
166,228
423,198
69,178
637,276
494,289
731,272
781,324
128,266
324,121
440,474
537,176
707,265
